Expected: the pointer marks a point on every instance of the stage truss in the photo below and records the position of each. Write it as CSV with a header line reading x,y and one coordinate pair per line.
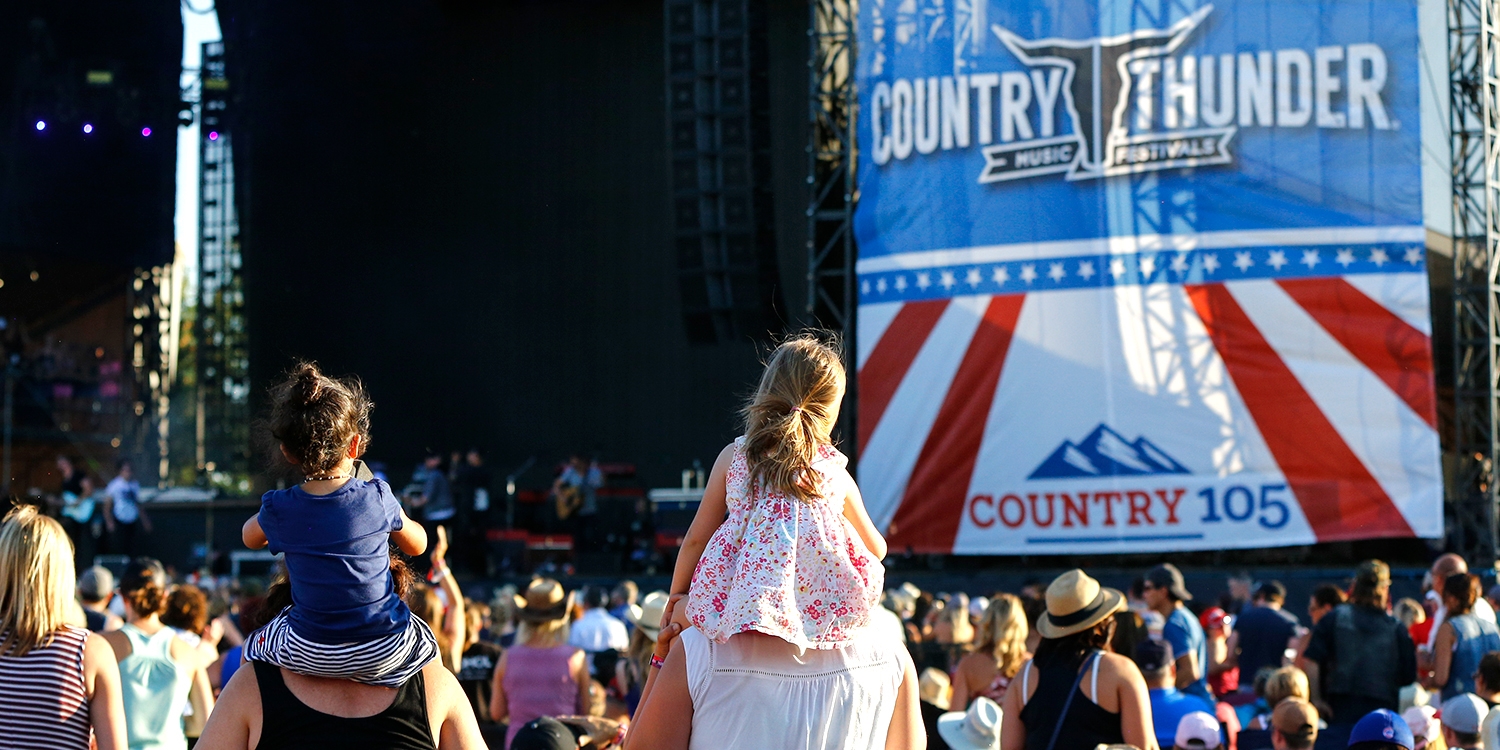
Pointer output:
x,y
832,114
1473,119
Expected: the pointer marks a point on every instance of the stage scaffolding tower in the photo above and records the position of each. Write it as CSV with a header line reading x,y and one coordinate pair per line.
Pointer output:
x,y
1473,119
223,366
832,114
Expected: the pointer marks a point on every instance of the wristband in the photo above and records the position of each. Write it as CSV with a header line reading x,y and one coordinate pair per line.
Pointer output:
x,y
657,661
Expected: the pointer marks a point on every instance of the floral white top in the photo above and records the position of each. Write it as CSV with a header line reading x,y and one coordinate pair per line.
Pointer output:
x,y
785,567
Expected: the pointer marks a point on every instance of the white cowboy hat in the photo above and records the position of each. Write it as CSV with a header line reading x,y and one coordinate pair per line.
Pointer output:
x,y
975,729
647,617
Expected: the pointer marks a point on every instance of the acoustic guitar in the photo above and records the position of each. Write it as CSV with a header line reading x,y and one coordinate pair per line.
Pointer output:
x,y
569,498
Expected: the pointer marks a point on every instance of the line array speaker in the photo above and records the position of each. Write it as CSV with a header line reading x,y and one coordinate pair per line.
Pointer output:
x,y
718,101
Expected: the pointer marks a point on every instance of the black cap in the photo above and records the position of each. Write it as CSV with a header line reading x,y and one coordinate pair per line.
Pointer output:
x,y
545,733
143,570
1167,576
1152,655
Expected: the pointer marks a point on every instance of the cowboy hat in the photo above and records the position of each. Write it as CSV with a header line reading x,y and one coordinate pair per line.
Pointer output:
x,y
1075,603
975,729
647,617
543,601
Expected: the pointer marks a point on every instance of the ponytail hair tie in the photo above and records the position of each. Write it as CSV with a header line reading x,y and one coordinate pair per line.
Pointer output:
x,y
794,410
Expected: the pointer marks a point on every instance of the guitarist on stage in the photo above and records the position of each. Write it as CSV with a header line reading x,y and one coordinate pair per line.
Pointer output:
x,y
573,495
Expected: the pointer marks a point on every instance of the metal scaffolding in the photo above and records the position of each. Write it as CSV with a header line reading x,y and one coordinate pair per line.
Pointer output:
x,y
1472,128
223,362
832,114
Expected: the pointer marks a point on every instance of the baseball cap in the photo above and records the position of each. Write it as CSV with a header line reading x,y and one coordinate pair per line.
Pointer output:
x,y
1463,713
1167,576
95,584
1152,655
1212,618
1422,720
1197,731
1296,718
1382,725
545,733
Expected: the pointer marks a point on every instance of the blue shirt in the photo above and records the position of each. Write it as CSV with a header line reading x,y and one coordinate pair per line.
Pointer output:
x,y
1168,706
337,557
1186,636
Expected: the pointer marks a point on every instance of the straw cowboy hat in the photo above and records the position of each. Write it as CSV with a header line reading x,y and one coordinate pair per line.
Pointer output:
x,y
1075,603
975,729
543,601
647,617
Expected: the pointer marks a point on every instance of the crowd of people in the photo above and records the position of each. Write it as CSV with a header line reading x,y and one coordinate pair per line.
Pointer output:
x,y
777,630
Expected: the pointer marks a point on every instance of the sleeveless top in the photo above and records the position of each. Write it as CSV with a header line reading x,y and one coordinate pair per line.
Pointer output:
x,y
43,700
1087,723
756,692
1476,638
538,682
288,723
785,567
155,688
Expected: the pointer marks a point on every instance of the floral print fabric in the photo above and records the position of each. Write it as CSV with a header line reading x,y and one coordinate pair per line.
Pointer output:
x,y
785,567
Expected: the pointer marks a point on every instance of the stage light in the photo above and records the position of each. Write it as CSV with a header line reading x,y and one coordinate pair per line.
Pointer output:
x,y
87,128
213,135
41,125
145,132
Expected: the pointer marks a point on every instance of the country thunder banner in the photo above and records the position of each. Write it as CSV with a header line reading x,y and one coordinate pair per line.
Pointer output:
x,y
1136,282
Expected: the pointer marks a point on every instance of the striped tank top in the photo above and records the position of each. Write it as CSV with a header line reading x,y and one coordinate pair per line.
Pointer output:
x,y
43,702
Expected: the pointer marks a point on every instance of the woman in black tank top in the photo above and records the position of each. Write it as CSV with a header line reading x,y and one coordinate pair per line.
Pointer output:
x,y
291,724
1057,695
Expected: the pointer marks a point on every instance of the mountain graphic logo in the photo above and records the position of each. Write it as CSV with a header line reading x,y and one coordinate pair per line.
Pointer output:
x,y
1105,453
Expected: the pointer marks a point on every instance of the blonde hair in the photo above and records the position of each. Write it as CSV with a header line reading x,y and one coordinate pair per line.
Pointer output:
x,y
793,412
959,627
1286,682
546,634
1003,632
36,580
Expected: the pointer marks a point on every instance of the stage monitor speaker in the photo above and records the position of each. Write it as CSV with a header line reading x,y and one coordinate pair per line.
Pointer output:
x,y
718,98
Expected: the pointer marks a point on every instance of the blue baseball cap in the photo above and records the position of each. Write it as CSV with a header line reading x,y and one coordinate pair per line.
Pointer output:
x,y
1382,726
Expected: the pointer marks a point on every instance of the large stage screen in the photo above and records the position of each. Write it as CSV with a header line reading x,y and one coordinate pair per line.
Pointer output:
x,y
1142,276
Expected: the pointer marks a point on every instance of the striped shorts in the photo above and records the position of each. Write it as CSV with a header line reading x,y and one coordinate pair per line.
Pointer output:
x,y
388,661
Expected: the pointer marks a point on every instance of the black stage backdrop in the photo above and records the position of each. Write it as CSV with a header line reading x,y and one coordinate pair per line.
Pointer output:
x,y
467,205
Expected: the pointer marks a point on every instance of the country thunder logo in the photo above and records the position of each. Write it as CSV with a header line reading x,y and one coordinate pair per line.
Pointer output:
x,y
1124,104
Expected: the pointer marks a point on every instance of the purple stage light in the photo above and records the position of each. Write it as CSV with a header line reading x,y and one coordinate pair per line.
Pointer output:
x,y
87,128
41,125
213,135
145,132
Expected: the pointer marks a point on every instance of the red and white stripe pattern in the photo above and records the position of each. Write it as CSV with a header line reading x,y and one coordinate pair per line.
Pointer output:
x,y
43,701
1321,387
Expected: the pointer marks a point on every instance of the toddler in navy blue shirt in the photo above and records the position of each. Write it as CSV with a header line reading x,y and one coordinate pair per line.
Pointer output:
x,y
334,530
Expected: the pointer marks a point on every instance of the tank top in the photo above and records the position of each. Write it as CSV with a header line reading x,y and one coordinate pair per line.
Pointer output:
x,y
756,691
785,567
43,700
289,723
1475,638
538,682
1087,723
155,688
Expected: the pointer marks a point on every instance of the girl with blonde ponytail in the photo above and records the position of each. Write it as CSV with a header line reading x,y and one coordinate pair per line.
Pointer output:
x,y
797,556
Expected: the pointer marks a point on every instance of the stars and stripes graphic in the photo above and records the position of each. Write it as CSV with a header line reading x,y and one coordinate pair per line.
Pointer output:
x,y
1293,382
